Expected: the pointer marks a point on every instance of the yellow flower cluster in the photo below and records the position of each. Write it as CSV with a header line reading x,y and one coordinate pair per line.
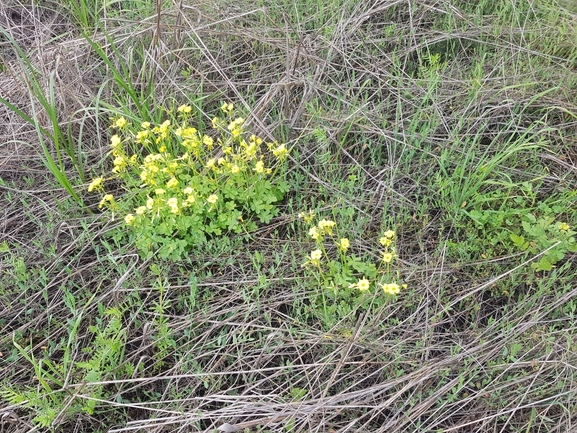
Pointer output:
x,y
172,203
387,240
388,255
235,127
392,288
121,159
227,108
181,172
326,228
323,228
107,199
307,217
161,132
184,109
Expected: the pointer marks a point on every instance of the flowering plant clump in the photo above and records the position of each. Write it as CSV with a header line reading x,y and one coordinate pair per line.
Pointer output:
x,y
346,280
188,185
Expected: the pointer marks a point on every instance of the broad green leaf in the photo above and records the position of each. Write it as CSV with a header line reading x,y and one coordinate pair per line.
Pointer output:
x,y
519,241
542,265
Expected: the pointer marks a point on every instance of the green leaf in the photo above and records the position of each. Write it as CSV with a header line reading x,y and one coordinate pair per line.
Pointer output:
x,y
298,393
555,255
542,265
519,241
12,396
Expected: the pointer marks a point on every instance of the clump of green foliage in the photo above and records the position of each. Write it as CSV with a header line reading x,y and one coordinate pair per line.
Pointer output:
x,y
185,186
54,399
544,236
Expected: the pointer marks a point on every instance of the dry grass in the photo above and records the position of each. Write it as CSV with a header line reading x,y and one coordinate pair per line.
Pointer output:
x,y
226,341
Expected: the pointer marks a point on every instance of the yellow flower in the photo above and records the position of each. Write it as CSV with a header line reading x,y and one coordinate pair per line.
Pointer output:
x,y
96,183
280,152
259,167
140,210
207,141
184,109
115,141
251,150
129,219
227,108
141,136
391,288
163,128
388,257
315,257
564,227
386,241
212,199
344,244
188,190
210,163
173,204
387,238
314,233
173,182
120,122
235,169
159,191
254,139
108,198
120,163
326,226
307,216
363,285
145,125
189,200
149,203
316,254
